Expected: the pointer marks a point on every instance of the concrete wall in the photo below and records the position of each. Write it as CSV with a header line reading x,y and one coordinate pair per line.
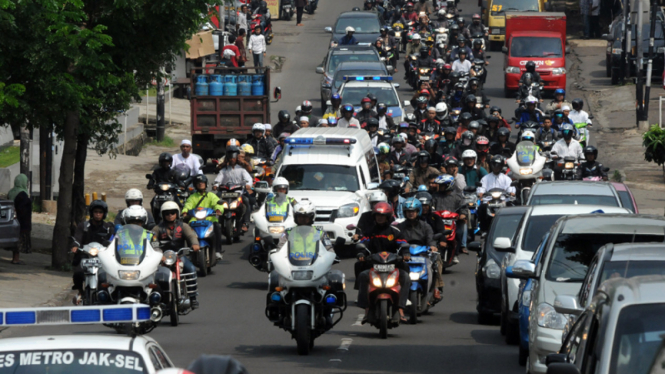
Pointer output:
x,y
6,136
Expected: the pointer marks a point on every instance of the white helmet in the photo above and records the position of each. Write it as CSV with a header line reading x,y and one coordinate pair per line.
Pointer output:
x,y
133,194
439,61
442,12
298,109
304,208
441,110
135,213
280,182
377,197
529,136
405,137
531,99
259,127
469,153
169,205
415,37
350,29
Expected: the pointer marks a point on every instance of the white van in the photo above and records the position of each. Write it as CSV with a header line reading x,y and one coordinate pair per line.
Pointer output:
x,y
334,168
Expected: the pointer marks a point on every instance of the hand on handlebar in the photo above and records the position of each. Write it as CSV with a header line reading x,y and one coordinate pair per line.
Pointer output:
x,y
196,248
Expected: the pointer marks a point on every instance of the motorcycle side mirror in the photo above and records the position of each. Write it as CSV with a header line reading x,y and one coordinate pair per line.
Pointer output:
x,y
438,236
590,117
351,227
390,69
328,29
277,94
488,57
606,169
514,119
184,251
336,261
474,246
148,176
407,103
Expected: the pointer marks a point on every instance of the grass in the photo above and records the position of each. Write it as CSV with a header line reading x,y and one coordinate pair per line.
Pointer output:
x,y
152,92
617,176
167,142
36,206
110,217
9,156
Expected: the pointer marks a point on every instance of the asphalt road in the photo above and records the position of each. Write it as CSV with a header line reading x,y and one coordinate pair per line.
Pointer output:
x,y
231,319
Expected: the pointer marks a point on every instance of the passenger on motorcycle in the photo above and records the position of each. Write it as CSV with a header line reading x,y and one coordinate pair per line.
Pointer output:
x,y
476,27
365,112
496,112
474,90
470,107
383,237
422,171
560,120
280,147
430,124
162,174
386,122
447,143
412,48
482,150
204,199
134,196
284,124
269,136
398,156
546,133
441,115
185,157
568,147
94,230
448,198
233,173
472,173
492,132
438,76
464,120
452,168
461,46
262,147
392,188
347,119
577,115
474,127
348,39
530,68
591,168
174,235
559,101
390,42
366,221
531,112
502,145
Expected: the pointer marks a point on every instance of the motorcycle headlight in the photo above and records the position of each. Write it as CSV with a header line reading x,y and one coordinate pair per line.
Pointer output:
x,y
392,279
558,71
491,270
569,165
549,318
496,195
526,297
512,70
348,210
93,251
129,274
376,281
234,204
398,34
200,215
414,276
526,171
302,275
169,258
225,205
209,231
276,229
164,187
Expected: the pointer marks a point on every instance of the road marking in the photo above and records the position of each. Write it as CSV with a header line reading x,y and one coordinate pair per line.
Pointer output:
x,y
346,343
359,320
335,360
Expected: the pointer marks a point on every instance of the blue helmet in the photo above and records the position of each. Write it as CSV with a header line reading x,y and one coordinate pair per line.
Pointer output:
x,y
413,204
446,182
559,91
336,97
567,130
422,187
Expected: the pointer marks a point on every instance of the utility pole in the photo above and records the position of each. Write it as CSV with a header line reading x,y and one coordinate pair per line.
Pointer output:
x,y
639,58
161,127
627,27
45,163
652,34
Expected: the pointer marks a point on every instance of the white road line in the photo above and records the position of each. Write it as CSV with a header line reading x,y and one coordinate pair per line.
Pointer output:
x,y
335,360
346,343
359,320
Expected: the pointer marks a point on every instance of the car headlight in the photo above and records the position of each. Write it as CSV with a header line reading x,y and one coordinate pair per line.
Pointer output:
x,y
129,274
526,297
558,71
392,279
164,187
209,231
492,270
201,215
276,229
526,171
512,70
618,51
169,258
348,210
549,318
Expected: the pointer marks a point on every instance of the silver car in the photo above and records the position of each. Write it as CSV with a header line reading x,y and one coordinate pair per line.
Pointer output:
x,y
9,227
574,192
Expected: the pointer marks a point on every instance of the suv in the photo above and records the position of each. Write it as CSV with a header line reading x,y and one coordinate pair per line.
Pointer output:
x,y
620,332
563,265
366,24
355,88
536,222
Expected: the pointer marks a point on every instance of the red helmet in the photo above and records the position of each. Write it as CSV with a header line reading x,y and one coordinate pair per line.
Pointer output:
x,y
409,4
424,92
365,100
482,140
447,67
476,16
382,208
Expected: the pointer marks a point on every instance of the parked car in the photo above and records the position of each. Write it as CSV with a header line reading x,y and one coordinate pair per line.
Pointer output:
x,y
10,229
488,268
574,192
572,244
626,196
615,53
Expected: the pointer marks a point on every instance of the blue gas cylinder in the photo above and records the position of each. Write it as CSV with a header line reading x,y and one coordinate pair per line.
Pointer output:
x,y
201,87
258,88
244,85
216,86
230,85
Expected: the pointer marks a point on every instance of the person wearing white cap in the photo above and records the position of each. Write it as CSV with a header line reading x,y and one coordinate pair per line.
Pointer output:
x,y
304,122
268,135
262,147
323,123
186,158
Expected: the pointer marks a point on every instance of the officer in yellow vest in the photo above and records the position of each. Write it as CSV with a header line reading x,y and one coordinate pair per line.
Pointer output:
x,y
278,203
132,238
304,236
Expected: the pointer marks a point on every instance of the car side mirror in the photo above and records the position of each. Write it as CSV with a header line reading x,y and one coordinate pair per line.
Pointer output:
x,y
328,29
567,304
351,227
475,246
503,244
390,69
608,37
277,94
372,186
407,103
554,358
521,269
319,70
562,368
396,85
504,49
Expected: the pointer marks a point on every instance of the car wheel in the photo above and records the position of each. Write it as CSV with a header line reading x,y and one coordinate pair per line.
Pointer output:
x,y
608,68
615,77
524,355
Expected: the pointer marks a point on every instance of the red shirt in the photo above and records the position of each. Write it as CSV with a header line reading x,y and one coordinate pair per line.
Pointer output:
x,y
234,60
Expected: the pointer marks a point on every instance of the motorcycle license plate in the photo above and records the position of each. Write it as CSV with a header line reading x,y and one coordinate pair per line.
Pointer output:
x,y
229,195
162,197
448,222
384,268
287,6
418,259
424,78
91,262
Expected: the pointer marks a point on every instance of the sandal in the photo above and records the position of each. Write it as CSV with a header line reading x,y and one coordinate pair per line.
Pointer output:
x,y
77,300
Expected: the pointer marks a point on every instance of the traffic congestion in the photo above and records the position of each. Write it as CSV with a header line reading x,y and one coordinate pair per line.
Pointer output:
x,y
438,205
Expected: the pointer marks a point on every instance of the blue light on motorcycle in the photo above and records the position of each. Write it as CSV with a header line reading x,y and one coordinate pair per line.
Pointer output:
x,y
331,299
276,297
83,316
155,298
20,318
120,314
256,247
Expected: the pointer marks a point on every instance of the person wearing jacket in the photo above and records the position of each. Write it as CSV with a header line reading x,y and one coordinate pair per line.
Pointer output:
x,y
421,173
348,39
591,168
284,124
204,199
134,196
546,133
365,112
392,189
262,147
502,144
472,173
386,122
447,198
19,195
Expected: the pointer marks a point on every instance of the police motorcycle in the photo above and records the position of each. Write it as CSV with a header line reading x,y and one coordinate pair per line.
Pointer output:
x,y
270,223
526,167
176,190
205,258
231,220
129,266
306,297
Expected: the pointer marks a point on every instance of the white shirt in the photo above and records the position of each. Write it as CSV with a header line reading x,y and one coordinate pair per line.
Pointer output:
x,y
242,21
491,181
191,161
595,12
461,66
257,44
574,149
383,124
579,117
344,123
235,175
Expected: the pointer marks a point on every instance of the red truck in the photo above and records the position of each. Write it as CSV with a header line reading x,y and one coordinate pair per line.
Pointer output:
x,y
539,37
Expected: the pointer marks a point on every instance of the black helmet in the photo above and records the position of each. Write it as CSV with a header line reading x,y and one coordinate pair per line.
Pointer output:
x,y
451,161
371,96
449,130
578,104
424,197
372,122
461,40
264,5
98,204
165,157
477,43
491,119
421,100
468,135
355,9
347,108
201,178
381,108
454,27
473,81
384,28
497,160
470,98
531,66
423,156
424,50
410,118
466,116
474,125
460,20
391,187
430,144
503,132
495,108
284,115
454,75
590,149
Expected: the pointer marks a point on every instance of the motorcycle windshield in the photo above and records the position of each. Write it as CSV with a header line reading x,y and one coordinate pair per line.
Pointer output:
x,y
130,243
275,212
525,152
303,245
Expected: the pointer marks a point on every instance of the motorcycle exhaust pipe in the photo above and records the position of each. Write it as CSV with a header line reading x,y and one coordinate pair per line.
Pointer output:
x,y
156,314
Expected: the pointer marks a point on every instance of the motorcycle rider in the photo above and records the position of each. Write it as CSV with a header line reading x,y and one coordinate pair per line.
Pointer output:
x,y
447,143
411,15
470,107
472,173
348,39
441,116
452,168
461,46
392,189
524,91
496,112
439,75
502,145
546,133
577,115
531,112
463,30
567,146
420,112
334,109
492,132
435,160
482,151
306,110
474,89
186,158
204,199
162,174
591,167
436,223
372,131
366,221
474,127
441,19
233,173
422,171
398,156
424,59
263,12
496,179
383,237
262,147
284,124
347,119
366,112
134,196
94,230
448,198
461,64
531,69
476,27
424,6
559,101
430,124
178,235
386,122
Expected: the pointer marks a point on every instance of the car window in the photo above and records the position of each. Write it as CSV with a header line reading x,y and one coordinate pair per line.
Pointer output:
x,y
629,269
637,338
501,6
370,157
384,94
539,252
318,177
574,199
575,337
626,200
362,25
587,284
338,58
527,46
536,227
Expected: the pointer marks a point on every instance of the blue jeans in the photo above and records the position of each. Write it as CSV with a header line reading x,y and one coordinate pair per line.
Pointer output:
x,y
258,60
587,25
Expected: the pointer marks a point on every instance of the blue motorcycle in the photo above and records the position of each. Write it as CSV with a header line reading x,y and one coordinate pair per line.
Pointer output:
x,y
421,294
205,258
472,203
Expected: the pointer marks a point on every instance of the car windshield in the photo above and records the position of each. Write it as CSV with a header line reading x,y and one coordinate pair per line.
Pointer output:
x,y
626,200
342,73
362,25
629,269
574,199
646,30
536,227
130,243
527,46
338,58
67,361
501,6
525,153
572,253
384,95
504,226
303,245
638,336
319,177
